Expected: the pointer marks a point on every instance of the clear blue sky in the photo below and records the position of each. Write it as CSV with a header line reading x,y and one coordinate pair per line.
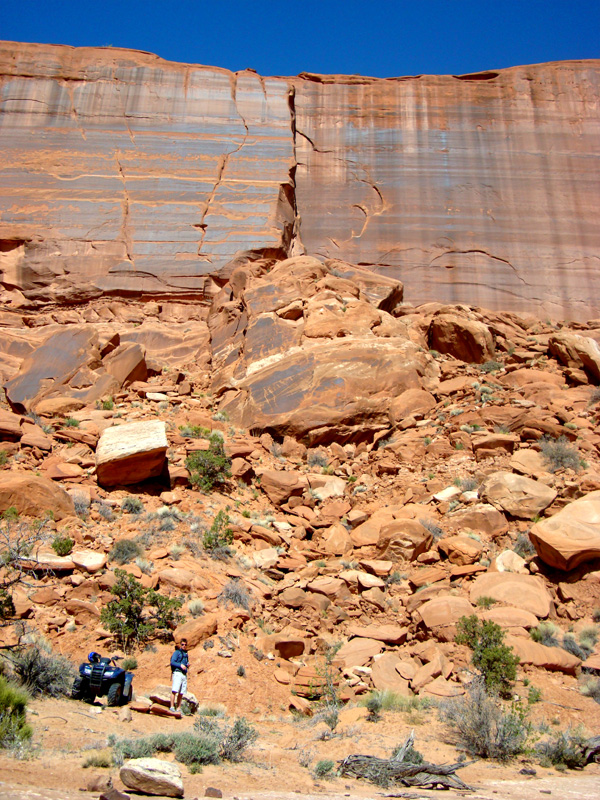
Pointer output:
x,y
383,39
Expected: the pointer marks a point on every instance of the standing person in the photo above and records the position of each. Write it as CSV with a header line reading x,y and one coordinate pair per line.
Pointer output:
x,y
179,667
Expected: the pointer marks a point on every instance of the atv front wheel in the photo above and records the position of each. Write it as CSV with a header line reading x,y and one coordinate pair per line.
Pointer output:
x,y
77,691
113,696
127,698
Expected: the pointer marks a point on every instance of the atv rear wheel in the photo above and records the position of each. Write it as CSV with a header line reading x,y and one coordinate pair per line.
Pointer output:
x,y
77,690
113,696
127,698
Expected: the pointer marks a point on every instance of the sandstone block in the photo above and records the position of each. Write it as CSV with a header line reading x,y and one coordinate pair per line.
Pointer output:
x,y
519,496
152,776
131,453
34,496
571,536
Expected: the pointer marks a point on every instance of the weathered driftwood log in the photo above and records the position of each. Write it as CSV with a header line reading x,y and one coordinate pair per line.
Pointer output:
x,y
403,768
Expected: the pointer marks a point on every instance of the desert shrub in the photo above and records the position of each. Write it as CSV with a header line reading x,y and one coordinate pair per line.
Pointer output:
x,y
209,468
237,739
41,672
545,633
490,366
14,730
176,551
100,760
3,458
407,755
316,458
534,695
565,751
236,593
559,454
81,507
588,637
125,550
137,613
480,726
219,536
18,540
485,602
217,710
132,505
469,484
145,565
194,431
374,706
394,701
124,749
523,546
62,545
433,529
129,663
70,422
324,768
105,511
495,660
571,645
241,671
590,687
108,404
196,607
196,749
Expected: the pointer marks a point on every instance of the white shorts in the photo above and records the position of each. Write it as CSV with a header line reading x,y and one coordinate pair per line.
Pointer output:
x,y
179,682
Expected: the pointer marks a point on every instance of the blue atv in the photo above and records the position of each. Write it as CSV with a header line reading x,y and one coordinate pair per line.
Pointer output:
x,y
102,676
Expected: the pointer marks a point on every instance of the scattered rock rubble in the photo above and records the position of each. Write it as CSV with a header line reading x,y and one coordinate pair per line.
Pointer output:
x,y
387,465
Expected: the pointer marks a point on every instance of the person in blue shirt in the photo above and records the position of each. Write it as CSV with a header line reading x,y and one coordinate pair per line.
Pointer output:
x,y
179,668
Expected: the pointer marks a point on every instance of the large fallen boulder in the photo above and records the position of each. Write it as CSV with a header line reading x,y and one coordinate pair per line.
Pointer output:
x,y
570,537
539,655
131,453
152,776
34,496
466,339
521,591
519,496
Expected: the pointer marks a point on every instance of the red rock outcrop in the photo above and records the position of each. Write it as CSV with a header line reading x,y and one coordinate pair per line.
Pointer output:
x,y
127,174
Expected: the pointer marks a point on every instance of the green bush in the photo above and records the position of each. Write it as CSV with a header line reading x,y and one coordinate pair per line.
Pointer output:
x,y
491,366
14,730
125,550
374,706
137,613
108,405
62,545
70,422
523,546
495,660
324,768
3,458
130,663
41,672
196,749
480,726
217,539
209,468
100,760
195,432
571,645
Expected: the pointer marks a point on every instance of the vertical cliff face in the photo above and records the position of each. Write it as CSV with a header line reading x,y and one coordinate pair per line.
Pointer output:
x,y
123,173
479,189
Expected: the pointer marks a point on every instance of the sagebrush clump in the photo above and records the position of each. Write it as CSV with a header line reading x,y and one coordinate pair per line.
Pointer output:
x,y
479,725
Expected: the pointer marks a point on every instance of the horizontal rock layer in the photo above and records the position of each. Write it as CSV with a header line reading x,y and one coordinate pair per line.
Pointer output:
x,y
124,173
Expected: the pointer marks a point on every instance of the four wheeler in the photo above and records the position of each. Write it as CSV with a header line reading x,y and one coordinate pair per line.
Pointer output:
x,y
102,676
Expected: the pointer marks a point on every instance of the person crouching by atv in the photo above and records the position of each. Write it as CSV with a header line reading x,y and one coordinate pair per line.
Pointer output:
x,y
180,662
